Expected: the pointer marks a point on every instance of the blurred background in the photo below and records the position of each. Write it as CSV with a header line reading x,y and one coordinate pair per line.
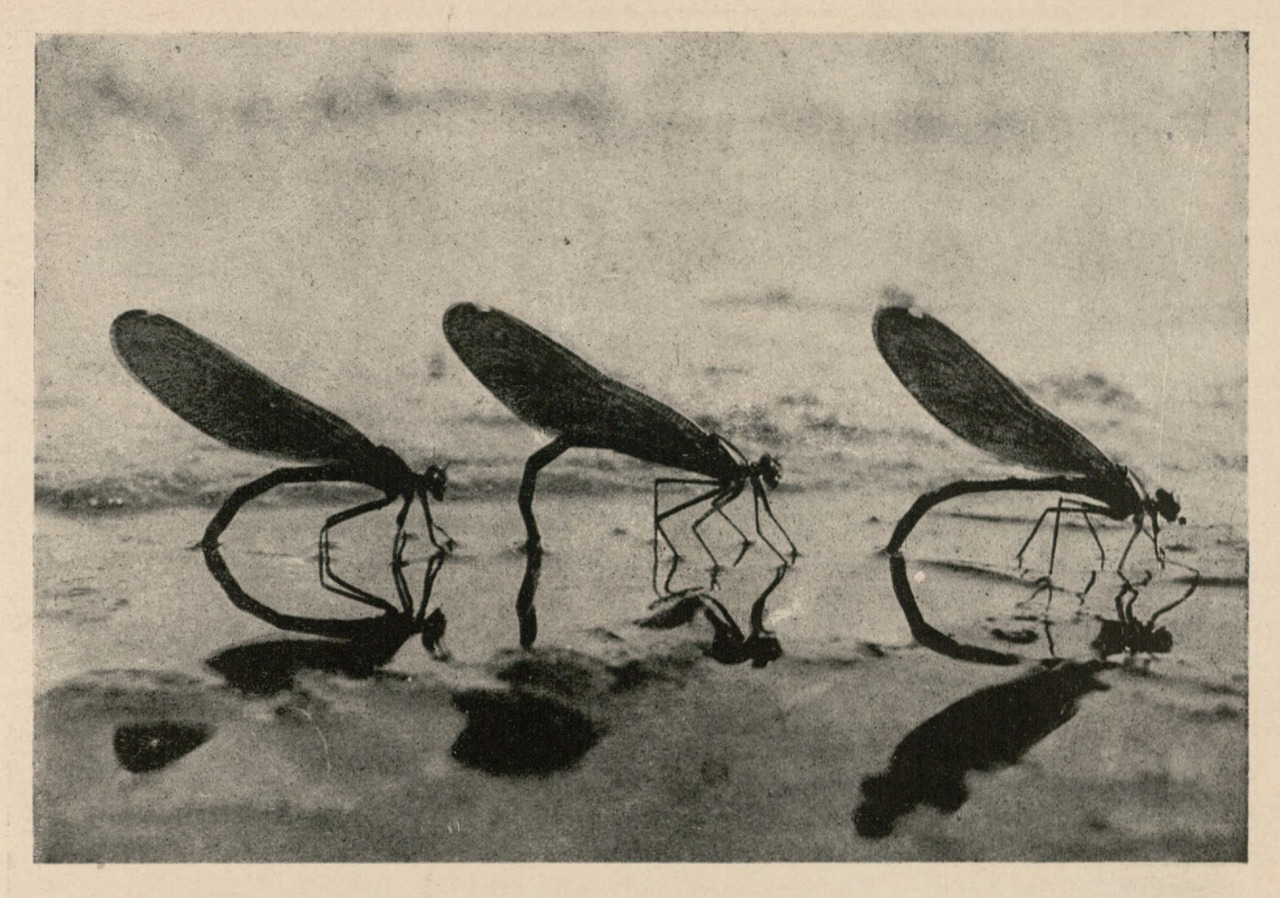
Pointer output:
x,y
711,218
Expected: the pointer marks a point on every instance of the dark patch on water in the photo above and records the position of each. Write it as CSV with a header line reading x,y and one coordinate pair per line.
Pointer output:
x,y
357,96
605,634
573,676
562,673
990,729
1225,581
520,734
146,747
1017,637
637,672
714,772
672,613
269,668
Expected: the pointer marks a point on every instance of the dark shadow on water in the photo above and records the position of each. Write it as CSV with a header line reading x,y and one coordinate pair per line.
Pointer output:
x,y
991,729
673,612
355,647
518,733
154,745
1127,633
931,638
994,727
729,645
268,668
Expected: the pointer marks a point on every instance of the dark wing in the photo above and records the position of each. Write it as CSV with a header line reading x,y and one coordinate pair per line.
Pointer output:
x,y
228,398
976,402
550,388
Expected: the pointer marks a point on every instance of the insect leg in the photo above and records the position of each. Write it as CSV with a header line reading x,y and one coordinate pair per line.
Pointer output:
x,y
659,517
1137,529
342,587
397,575
1102,553
526,613
728,645
1093,576
1032,534
722,498
1126,589
1066,506
1048,637
1053,546
1042,584
249,491
759,497
386,630
434,563
539,460
432,626
666,592
449,543
1195,583
746,543
918,509
1155,540
658,529
762,645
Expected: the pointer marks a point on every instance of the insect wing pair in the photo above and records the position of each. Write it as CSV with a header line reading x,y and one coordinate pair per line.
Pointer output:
x,y
971,398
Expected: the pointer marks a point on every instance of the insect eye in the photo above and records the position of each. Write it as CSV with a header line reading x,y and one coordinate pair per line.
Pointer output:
x,y
1167,506
770,470
436,479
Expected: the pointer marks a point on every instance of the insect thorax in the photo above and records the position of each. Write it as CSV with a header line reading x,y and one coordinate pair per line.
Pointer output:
x,y
390,473
1161,505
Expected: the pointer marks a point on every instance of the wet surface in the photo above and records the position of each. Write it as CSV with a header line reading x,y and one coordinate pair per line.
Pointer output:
x,y
611,740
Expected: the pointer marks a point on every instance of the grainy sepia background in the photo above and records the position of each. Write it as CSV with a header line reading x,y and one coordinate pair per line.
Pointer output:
x,y
712,219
